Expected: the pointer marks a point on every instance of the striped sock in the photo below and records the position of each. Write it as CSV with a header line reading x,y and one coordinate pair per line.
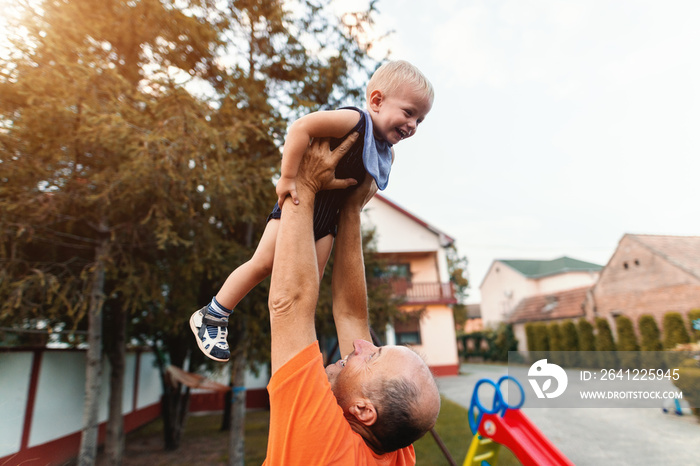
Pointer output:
x,y
216,310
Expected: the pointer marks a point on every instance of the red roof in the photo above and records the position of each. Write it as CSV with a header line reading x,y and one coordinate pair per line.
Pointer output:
x,y
554,306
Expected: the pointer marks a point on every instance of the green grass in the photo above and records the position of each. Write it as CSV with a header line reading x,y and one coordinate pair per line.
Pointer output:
x,y
453,428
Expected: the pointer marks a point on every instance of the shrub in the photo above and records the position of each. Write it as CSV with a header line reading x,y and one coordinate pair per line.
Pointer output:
x,y
627,343
586,343
675,332
555,345
605,345
530,335
650,341
554,332
569,336
650,335
569,343
540,345
503,342
586,337
694,316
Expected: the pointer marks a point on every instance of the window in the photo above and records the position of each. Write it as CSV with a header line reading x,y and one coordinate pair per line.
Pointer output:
x,y
408,331
395,271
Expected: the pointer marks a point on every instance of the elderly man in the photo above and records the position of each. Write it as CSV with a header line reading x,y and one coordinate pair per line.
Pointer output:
x,y
367,408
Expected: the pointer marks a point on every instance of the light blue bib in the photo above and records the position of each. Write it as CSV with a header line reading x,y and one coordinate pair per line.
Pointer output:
x,y
376,155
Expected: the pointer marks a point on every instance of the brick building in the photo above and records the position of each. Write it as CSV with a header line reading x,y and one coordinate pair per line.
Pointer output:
x,y
648,274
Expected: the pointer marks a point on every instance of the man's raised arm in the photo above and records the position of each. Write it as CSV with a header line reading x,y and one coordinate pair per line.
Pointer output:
x,y
295,281
349,284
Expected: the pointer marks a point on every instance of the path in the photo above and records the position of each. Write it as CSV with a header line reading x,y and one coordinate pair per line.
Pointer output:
x,y
587,436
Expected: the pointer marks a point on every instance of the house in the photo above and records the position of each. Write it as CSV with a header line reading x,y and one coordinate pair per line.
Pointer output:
x,y
417,254
648,274
552,307
473,323
508,282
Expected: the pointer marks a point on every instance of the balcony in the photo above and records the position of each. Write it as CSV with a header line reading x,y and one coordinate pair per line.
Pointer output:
x,y
423,292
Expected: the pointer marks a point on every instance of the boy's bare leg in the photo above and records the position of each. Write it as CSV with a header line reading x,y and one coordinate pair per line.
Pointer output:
x,y
248,275
210,324
324,246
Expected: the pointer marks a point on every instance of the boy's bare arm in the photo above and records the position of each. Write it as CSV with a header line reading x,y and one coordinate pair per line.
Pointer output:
x,y
348,282
325,124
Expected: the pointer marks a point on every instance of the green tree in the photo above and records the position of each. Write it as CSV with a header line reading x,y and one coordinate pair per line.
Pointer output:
x,y
555,342
122,192
530,336
457,266
627,343
77,137
675,332
587,343
650,335
540,341
604,344
650,342
503,342
569,343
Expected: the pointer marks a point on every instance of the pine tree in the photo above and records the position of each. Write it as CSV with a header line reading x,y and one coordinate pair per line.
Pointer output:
x,y
114,168
587,343
604,344
650,342
675,332
627,343
569,340
650,335
555,343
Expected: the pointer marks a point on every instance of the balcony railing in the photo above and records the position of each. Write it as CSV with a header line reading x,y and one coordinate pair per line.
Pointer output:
x,y
423,292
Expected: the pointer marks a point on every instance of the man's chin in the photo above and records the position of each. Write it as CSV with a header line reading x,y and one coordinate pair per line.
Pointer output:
x,y
331,372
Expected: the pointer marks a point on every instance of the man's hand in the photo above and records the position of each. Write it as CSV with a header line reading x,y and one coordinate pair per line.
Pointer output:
x,y
359,197
317,168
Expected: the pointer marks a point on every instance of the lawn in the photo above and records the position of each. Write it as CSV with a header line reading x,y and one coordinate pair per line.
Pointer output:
x,y
205,443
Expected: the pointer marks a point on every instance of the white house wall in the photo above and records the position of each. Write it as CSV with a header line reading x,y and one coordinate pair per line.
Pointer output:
x,y
399,233
433,347
502,290
566,281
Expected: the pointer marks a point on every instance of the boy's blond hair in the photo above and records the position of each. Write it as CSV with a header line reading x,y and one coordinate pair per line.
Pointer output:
x,y
392,75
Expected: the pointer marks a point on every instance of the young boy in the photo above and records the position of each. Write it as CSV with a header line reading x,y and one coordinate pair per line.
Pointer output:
x,y
398,99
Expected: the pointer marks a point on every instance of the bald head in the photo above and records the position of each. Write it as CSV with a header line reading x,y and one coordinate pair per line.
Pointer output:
x,y
407,402
398,386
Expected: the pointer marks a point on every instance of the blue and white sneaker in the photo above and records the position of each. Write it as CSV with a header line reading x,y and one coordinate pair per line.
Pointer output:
x,y
213,346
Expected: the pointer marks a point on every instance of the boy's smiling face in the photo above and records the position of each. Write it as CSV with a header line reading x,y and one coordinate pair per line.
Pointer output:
x,y
396,116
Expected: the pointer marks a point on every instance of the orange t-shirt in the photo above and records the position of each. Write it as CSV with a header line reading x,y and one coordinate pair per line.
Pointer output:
x,y
307,427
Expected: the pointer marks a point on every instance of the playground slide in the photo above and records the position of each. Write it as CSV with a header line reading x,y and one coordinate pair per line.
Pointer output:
x,y
517,433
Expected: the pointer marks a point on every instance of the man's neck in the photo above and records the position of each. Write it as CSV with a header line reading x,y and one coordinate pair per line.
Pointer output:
x,y
366,433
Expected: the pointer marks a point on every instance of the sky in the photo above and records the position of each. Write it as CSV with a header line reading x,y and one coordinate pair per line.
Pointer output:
x,y
557,127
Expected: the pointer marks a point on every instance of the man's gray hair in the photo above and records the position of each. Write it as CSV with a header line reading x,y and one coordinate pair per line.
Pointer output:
x,y
398,424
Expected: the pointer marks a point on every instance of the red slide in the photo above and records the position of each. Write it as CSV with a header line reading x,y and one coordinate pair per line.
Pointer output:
x,y
515,431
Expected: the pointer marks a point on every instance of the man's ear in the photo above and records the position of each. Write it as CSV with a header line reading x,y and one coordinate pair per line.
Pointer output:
x,y
364,411
375,100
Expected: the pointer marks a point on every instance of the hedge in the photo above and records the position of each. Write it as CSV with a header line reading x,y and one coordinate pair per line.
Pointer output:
x,y
675,332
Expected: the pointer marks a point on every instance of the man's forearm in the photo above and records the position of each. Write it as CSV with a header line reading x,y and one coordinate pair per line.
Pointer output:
x,y
294,284
348,283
